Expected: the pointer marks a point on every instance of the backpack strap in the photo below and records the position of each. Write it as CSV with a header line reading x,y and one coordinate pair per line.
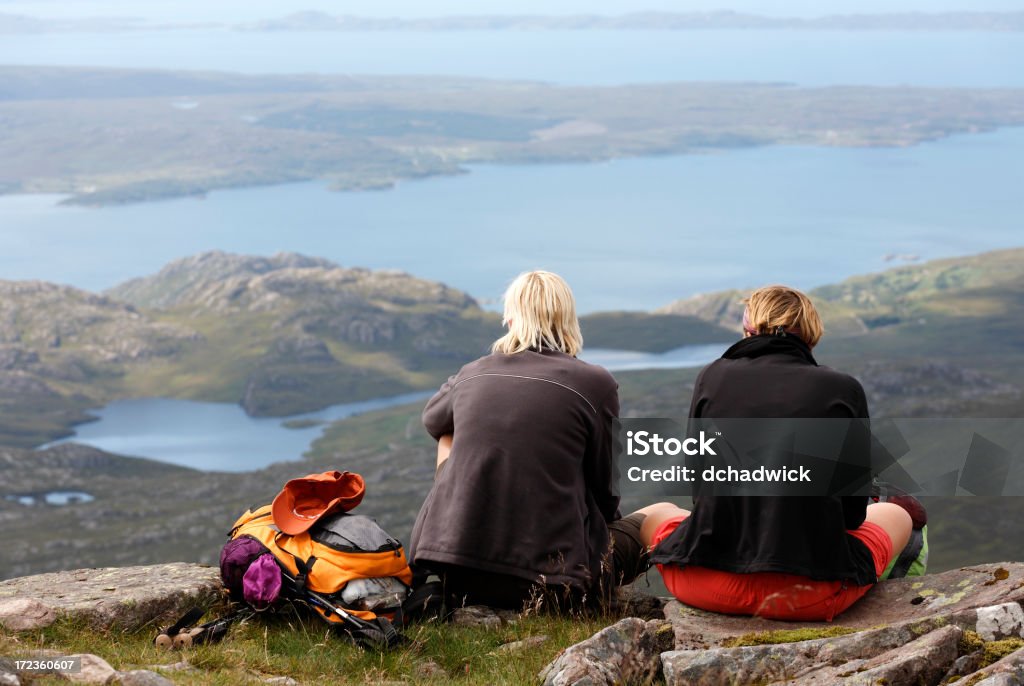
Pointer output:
x,y
304,567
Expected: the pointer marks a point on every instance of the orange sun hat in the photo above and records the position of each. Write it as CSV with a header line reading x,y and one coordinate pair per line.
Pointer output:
x,y
303,501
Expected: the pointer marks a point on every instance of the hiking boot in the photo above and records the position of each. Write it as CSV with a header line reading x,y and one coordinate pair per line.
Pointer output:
x,y
913,559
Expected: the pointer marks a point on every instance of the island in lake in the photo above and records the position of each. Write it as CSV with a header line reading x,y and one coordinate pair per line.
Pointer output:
x,y
105,136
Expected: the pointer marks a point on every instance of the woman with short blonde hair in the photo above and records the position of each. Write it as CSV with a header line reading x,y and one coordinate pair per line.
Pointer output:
x,y
802,558
780,309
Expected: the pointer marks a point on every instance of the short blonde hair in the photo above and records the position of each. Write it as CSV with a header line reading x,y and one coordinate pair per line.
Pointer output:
x,y
540,311
777,309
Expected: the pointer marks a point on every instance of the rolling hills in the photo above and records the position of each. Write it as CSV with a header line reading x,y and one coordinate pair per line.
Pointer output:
x,y
942,339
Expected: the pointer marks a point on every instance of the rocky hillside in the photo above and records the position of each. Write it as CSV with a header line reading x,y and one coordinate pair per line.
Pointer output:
x,y
289,331
962,626
280,335
977,289
290,334
60,347
945,338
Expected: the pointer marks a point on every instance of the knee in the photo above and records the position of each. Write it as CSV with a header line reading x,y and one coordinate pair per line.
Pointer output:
x,y
895,520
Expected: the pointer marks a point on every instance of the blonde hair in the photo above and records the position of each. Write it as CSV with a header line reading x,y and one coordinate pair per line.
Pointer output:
x,y
780,309
540,311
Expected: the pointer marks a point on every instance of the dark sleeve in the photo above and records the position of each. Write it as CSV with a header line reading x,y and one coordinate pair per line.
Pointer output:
x,y
438,415
599,467
696,406
855,510
860,400
855,507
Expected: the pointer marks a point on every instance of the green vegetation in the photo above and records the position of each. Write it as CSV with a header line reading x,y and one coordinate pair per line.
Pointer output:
x,y
301,423
304,648
649,332
761,638
135,135
992,651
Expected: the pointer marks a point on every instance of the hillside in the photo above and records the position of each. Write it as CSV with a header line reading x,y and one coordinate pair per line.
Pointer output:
x,y
229,318
137,135
280,335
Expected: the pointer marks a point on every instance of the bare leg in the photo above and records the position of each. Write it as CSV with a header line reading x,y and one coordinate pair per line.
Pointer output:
x,y
894,520
656,515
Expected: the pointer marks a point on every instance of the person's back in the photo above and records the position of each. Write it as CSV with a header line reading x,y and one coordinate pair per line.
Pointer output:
x,y
524,496
530,431
800,557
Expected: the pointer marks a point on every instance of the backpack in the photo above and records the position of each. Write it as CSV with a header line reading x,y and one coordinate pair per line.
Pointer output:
x,y
351,572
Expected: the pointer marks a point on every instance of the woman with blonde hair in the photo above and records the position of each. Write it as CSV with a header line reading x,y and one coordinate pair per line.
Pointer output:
x,y
780,557
524,501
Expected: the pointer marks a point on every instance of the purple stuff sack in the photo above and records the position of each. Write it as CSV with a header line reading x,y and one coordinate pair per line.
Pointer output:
x,y
235,558
261,584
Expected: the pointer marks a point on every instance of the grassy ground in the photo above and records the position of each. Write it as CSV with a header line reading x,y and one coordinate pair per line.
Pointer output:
x,y
305,649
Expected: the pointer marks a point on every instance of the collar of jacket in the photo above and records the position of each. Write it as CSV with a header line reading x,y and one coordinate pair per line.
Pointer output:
x,y
769,344
545,350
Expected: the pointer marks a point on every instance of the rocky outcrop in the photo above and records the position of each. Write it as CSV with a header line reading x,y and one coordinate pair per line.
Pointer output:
x,y
115,597
625,653
963,624
180,281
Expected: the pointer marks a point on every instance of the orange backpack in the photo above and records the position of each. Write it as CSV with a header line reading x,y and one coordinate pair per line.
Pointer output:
x,y
324,565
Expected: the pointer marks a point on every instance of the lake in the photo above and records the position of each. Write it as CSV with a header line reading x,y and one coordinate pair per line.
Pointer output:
x,y
221,437
631,234
818,58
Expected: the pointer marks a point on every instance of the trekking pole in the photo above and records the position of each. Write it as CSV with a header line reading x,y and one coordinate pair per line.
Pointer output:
x,y
376,636
182,636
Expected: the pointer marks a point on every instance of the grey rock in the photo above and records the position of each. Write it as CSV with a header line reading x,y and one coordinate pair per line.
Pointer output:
x,y
1000,680
776,662
964,665
281,681
25,614
429,669
952,596
517,646
95,670
142,677
923,661
626,652
477,616
8,675
1000,621
124,597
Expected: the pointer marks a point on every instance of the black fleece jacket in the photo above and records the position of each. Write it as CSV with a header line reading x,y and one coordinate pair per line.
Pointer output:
x,y
769,376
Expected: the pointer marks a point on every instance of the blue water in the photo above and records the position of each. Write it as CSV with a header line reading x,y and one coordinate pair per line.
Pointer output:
x,y
221,437
56,498
632,234
210,436
885,58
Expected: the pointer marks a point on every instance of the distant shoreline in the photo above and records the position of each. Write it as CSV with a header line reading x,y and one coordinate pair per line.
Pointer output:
x,y
369,133
635,21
